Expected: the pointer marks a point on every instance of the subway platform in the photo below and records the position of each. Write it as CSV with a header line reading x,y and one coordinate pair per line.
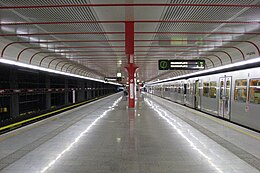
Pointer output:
x,y
158,136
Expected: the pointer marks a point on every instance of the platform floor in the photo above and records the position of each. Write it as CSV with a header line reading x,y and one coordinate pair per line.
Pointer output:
x,y
158,136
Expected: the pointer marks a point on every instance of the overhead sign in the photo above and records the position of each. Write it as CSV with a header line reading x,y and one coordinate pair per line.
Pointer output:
x,y
118,79
181,64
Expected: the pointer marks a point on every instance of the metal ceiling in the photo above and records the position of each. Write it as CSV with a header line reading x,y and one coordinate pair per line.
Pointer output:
x,y
77,37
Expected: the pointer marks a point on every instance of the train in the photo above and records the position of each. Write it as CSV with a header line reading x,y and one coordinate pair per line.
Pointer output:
x,y
233,95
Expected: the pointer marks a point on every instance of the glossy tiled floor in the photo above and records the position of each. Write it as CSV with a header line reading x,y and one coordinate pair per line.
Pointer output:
x,y
158,136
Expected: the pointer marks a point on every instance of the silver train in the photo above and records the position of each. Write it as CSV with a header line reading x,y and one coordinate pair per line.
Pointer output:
x,y
234,96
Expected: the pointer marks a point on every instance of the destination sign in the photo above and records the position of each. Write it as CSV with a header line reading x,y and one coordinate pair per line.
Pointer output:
x,y
181,64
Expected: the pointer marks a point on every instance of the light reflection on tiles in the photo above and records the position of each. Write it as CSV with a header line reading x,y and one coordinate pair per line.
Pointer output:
x,y
168,120
80,135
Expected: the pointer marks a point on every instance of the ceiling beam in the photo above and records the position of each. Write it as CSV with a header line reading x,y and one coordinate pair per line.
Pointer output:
x,y
121,33
135,21
128,5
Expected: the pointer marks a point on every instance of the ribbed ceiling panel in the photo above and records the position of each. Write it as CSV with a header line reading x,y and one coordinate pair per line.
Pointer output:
x,y
53,14
147,63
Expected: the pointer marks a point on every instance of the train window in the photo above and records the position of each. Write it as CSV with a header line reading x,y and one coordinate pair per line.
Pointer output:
x,y
166,88
213,90
179,88
254,91
240,90
206,89
175,88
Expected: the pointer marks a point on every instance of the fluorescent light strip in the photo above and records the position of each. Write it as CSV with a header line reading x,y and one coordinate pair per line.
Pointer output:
x,y
6,61
251,61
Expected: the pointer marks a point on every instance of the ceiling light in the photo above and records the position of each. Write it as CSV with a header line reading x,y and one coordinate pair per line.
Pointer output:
x,y
34,39
7,29
119,75
21,32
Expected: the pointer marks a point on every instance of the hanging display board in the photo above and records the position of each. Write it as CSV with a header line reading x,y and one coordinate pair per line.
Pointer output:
x,y
181,64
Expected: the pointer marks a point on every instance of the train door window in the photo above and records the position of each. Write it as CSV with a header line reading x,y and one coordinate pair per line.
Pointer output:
x,y
241,90
188,88
228,85
221,88
191,88
184,88
206,89
254,91
213,90
198,84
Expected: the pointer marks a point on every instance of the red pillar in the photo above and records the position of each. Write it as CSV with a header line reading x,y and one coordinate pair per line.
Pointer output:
x,y
131,68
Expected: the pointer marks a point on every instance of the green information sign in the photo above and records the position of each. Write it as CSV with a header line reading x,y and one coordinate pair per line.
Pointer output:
x,y
181,64
163,64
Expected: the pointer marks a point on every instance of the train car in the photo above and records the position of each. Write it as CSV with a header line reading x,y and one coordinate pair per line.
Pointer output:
x,y
175,91
234,96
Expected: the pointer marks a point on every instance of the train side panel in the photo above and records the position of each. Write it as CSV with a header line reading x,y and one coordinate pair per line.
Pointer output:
x,y
245,103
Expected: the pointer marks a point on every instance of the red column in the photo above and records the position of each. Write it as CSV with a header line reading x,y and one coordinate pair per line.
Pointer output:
x,y
131,68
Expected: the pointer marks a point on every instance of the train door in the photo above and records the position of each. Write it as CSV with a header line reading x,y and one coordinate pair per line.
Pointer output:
x,y
184,92
197,94
224,97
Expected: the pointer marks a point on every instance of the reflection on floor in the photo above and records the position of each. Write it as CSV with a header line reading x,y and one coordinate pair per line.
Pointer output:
x,y
157,136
